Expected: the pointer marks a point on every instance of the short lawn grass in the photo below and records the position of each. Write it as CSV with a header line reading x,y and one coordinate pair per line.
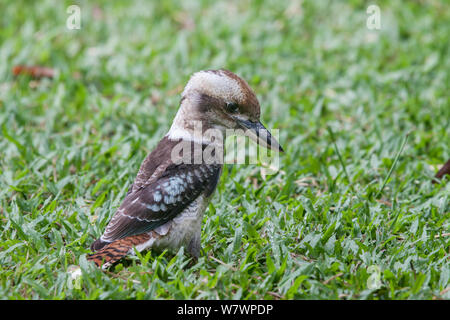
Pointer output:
x,y
364,118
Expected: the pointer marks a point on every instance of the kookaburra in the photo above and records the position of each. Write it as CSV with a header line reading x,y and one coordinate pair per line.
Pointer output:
x,y
164,206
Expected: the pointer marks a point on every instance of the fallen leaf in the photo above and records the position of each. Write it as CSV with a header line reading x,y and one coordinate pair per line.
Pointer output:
x,y
34,71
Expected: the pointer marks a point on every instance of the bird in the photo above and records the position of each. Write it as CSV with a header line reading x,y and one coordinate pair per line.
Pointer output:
x,y
164,206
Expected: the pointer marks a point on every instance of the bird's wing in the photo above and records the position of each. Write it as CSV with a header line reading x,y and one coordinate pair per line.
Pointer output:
x,y
167,193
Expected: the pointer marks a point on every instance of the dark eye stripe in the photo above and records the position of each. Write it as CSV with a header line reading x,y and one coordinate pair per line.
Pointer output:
x,y
232,107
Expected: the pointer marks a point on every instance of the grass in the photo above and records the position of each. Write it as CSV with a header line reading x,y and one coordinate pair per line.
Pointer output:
x,y
347,210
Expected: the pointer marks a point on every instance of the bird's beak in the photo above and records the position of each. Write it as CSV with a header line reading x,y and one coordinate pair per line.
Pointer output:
x,y
258,133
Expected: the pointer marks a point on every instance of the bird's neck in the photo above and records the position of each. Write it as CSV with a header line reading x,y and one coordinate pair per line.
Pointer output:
x,y
188,125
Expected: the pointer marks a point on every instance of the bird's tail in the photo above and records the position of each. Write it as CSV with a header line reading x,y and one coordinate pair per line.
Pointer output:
x,y
116,250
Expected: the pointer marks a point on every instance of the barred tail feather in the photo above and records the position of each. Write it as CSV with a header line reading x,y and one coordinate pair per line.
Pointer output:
x,y
114,251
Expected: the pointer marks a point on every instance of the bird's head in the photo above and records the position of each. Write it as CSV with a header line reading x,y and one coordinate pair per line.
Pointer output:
x,y
221,100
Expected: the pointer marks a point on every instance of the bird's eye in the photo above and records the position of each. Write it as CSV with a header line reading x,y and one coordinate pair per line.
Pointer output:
x,y
232,107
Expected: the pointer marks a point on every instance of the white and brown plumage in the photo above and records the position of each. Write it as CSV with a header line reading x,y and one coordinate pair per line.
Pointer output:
x,y
164,206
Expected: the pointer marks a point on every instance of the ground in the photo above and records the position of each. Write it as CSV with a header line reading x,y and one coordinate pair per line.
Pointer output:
x,y
363,116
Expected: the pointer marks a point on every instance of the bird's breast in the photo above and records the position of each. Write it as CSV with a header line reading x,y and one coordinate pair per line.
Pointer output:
x,y
180,230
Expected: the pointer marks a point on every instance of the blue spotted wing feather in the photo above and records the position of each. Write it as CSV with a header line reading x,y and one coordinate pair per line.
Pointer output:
x,y
156,203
